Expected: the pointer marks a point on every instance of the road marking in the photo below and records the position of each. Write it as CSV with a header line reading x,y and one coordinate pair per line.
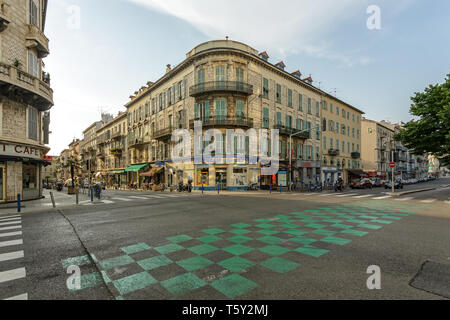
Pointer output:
x,y
11,243
7,217
11,256
428,201
9,223
447,202
136,197
10,234
171,196
326,195
364,196
107,202
381,198
11,228
122,199
156,197
19,297
405,199
347,195
11,219
12,275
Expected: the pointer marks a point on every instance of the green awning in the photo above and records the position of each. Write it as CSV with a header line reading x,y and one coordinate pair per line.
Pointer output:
x,y
136,167
117,172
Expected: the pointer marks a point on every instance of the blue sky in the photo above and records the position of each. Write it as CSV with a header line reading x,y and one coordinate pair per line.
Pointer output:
x,y
119,45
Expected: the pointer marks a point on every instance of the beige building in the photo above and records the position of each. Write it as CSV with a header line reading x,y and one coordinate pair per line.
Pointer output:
x,y
228,85
341,141
88,149
25,98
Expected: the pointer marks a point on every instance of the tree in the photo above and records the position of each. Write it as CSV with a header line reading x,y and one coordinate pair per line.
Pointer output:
x,y
74,164
430,131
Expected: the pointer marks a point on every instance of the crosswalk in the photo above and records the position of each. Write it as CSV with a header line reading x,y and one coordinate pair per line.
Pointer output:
x,y
130,198
11,255
375,196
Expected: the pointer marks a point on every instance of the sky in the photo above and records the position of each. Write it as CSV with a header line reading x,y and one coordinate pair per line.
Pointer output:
x,y
102,51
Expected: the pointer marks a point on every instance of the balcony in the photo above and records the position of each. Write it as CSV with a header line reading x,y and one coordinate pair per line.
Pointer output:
x,y
221,87
287,131
116,151
101,140
22,86
134,143
36,39
224,121
163,133
4,19
356,155
382,148
333,152
101,155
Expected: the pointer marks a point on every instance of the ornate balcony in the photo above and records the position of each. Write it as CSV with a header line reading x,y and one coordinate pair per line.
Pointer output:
x,y
333,152
221,87
224,121
36,39
134,143
116,135
163,133
287,131
22,86
356,155
101,140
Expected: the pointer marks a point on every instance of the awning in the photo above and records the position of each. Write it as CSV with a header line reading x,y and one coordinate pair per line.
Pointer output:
x,y
356,172
152,172
136,167
117,172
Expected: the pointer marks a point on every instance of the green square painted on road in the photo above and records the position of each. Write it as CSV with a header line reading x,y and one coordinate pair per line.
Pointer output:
x,y
154,263
179,239
270,239
209,239
213,231
241,225
265,226
134,282
203,249
279,265
336,240
312,251
116,262
268,232
169,248
236,264
182,284
302,240
239,239
135,248
274,250
76,261
194,263
239,231
234,286
296,232
89,280
237,250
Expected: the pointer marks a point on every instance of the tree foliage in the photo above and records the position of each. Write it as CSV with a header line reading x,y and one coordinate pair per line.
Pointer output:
x,y
429,132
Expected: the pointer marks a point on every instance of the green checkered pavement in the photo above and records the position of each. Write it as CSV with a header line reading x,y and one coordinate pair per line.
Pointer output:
x,y
218,261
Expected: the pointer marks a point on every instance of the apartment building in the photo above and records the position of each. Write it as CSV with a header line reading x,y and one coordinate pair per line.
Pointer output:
x,y
228,85
341,141
25,98
88,149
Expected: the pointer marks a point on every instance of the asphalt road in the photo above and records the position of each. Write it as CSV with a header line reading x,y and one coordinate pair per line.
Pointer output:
x,y
231,246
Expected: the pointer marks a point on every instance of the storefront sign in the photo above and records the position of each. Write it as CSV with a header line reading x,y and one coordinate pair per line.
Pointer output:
x,y
282,178
20,150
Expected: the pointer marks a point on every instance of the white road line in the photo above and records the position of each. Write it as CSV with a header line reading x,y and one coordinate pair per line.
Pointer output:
x,y
7,217
10,228
108,202
11,256
171,196
326,194
136,197
364,196
346,195
428,201
10,234
9,223
122,199
447,202
11,243
12,275
155,197
381,198
404,199
19,297
10,219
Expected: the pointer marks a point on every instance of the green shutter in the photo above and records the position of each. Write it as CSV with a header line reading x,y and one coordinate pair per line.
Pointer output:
x,y
195,111
206,114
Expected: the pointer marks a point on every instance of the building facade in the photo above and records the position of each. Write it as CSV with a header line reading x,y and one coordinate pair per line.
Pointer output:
x,y
25,98
229,85
341,141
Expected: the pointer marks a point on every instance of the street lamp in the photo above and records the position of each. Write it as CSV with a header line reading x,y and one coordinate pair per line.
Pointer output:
x,y
290,154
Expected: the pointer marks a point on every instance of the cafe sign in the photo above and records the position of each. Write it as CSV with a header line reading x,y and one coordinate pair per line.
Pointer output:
x,y
20,150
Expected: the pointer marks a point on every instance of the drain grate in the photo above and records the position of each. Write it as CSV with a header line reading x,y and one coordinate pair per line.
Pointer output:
x,y
434,278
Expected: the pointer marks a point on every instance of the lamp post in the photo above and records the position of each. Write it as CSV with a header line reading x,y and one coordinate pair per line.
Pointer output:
x,y
290,154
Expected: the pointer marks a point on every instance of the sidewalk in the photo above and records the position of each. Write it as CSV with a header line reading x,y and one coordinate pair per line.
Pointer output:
x,y
62,199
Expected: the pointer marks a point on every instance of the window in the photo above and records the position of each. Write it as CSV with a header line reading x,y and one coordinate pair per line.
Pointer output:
x,y
317,131
265,88
343,113
353,132
279,118
33,67
221,109
266,118
220,73
201,76
325,105
337,144
324,124
331,143
348,147
33,13
309,105
299,124
324,142
317,108
337,127
278,93
343,146
240,109
353,117
357,133
183,89
32,123
331,107
337,110
289,98
300,102
289,122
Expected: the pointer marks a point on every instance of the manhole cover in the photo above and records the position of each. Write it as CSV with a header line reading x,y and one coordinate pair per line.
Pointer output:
x,y
433,277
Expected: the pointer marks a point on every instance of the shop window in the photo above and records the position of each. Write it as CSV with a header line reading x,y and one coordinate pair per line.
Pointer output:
x,y
29,177
32,123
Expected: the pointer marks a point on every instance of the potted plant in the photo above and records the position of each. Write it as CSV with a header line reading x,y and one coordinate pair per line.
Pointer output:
x,y
74,164
17,64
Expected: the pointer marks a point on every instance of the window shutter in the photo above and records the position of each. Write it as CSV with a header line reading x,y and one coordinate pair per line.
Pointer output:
x,y
195,111
206,114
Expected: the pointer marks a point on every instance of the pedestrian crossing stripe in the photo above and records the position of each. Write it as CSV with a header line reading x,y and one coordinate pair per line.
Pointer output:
x,y
19,297
122,199
10,275
381,198
428,201
364,196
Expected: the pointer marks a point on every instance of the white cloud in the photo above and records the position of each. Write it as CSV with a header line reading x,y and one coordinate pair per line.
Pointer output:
x,y
283,27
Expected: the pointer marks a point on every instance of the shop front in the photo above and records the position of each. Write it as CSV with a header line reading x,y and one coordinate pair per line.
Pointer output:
x,y
354,174
133,174
20,171
118,179
309,171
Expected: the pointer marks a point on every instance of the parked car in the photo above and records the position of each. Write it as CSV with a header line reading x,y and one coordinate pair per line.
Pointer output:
x,y
398,184
377,182
362,184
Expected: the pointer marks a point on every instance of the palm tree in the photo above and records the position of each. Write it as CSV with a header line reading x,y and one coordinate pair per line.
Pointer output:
x,y
74,164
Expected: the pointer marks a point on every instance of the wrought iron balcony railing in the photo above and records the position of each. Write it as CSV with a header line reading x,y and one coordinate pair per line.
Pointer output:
x,y
287,131
334,152
224,121
356,155
221,86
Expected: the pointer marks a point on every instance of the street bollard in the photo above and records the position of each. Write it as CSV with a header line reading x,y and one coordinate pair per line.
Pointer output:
x,y
218,188
281,188
99,193
53,200
270,188
76,198
92,194
18,202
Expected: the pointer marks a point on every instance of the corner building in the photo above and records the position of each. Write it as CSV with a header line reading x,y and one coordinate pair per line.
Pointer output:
x,y
226,85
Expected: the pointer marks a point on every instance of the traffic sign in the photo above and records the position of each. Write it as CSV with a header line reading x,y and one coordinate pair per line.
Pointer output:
x,y
392,165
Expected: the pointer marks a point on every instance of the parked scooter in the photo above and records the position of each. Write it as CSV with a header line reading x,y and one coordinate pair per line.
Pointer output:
x,y
59,186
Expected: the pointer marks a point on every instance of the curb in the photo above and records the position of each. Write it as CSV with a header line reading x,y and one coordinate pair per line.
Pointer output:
x,y
399,194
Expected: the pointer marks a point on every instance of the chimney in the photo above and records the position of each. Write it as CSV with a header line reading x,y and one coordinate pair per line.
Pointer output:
x,y
168,68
